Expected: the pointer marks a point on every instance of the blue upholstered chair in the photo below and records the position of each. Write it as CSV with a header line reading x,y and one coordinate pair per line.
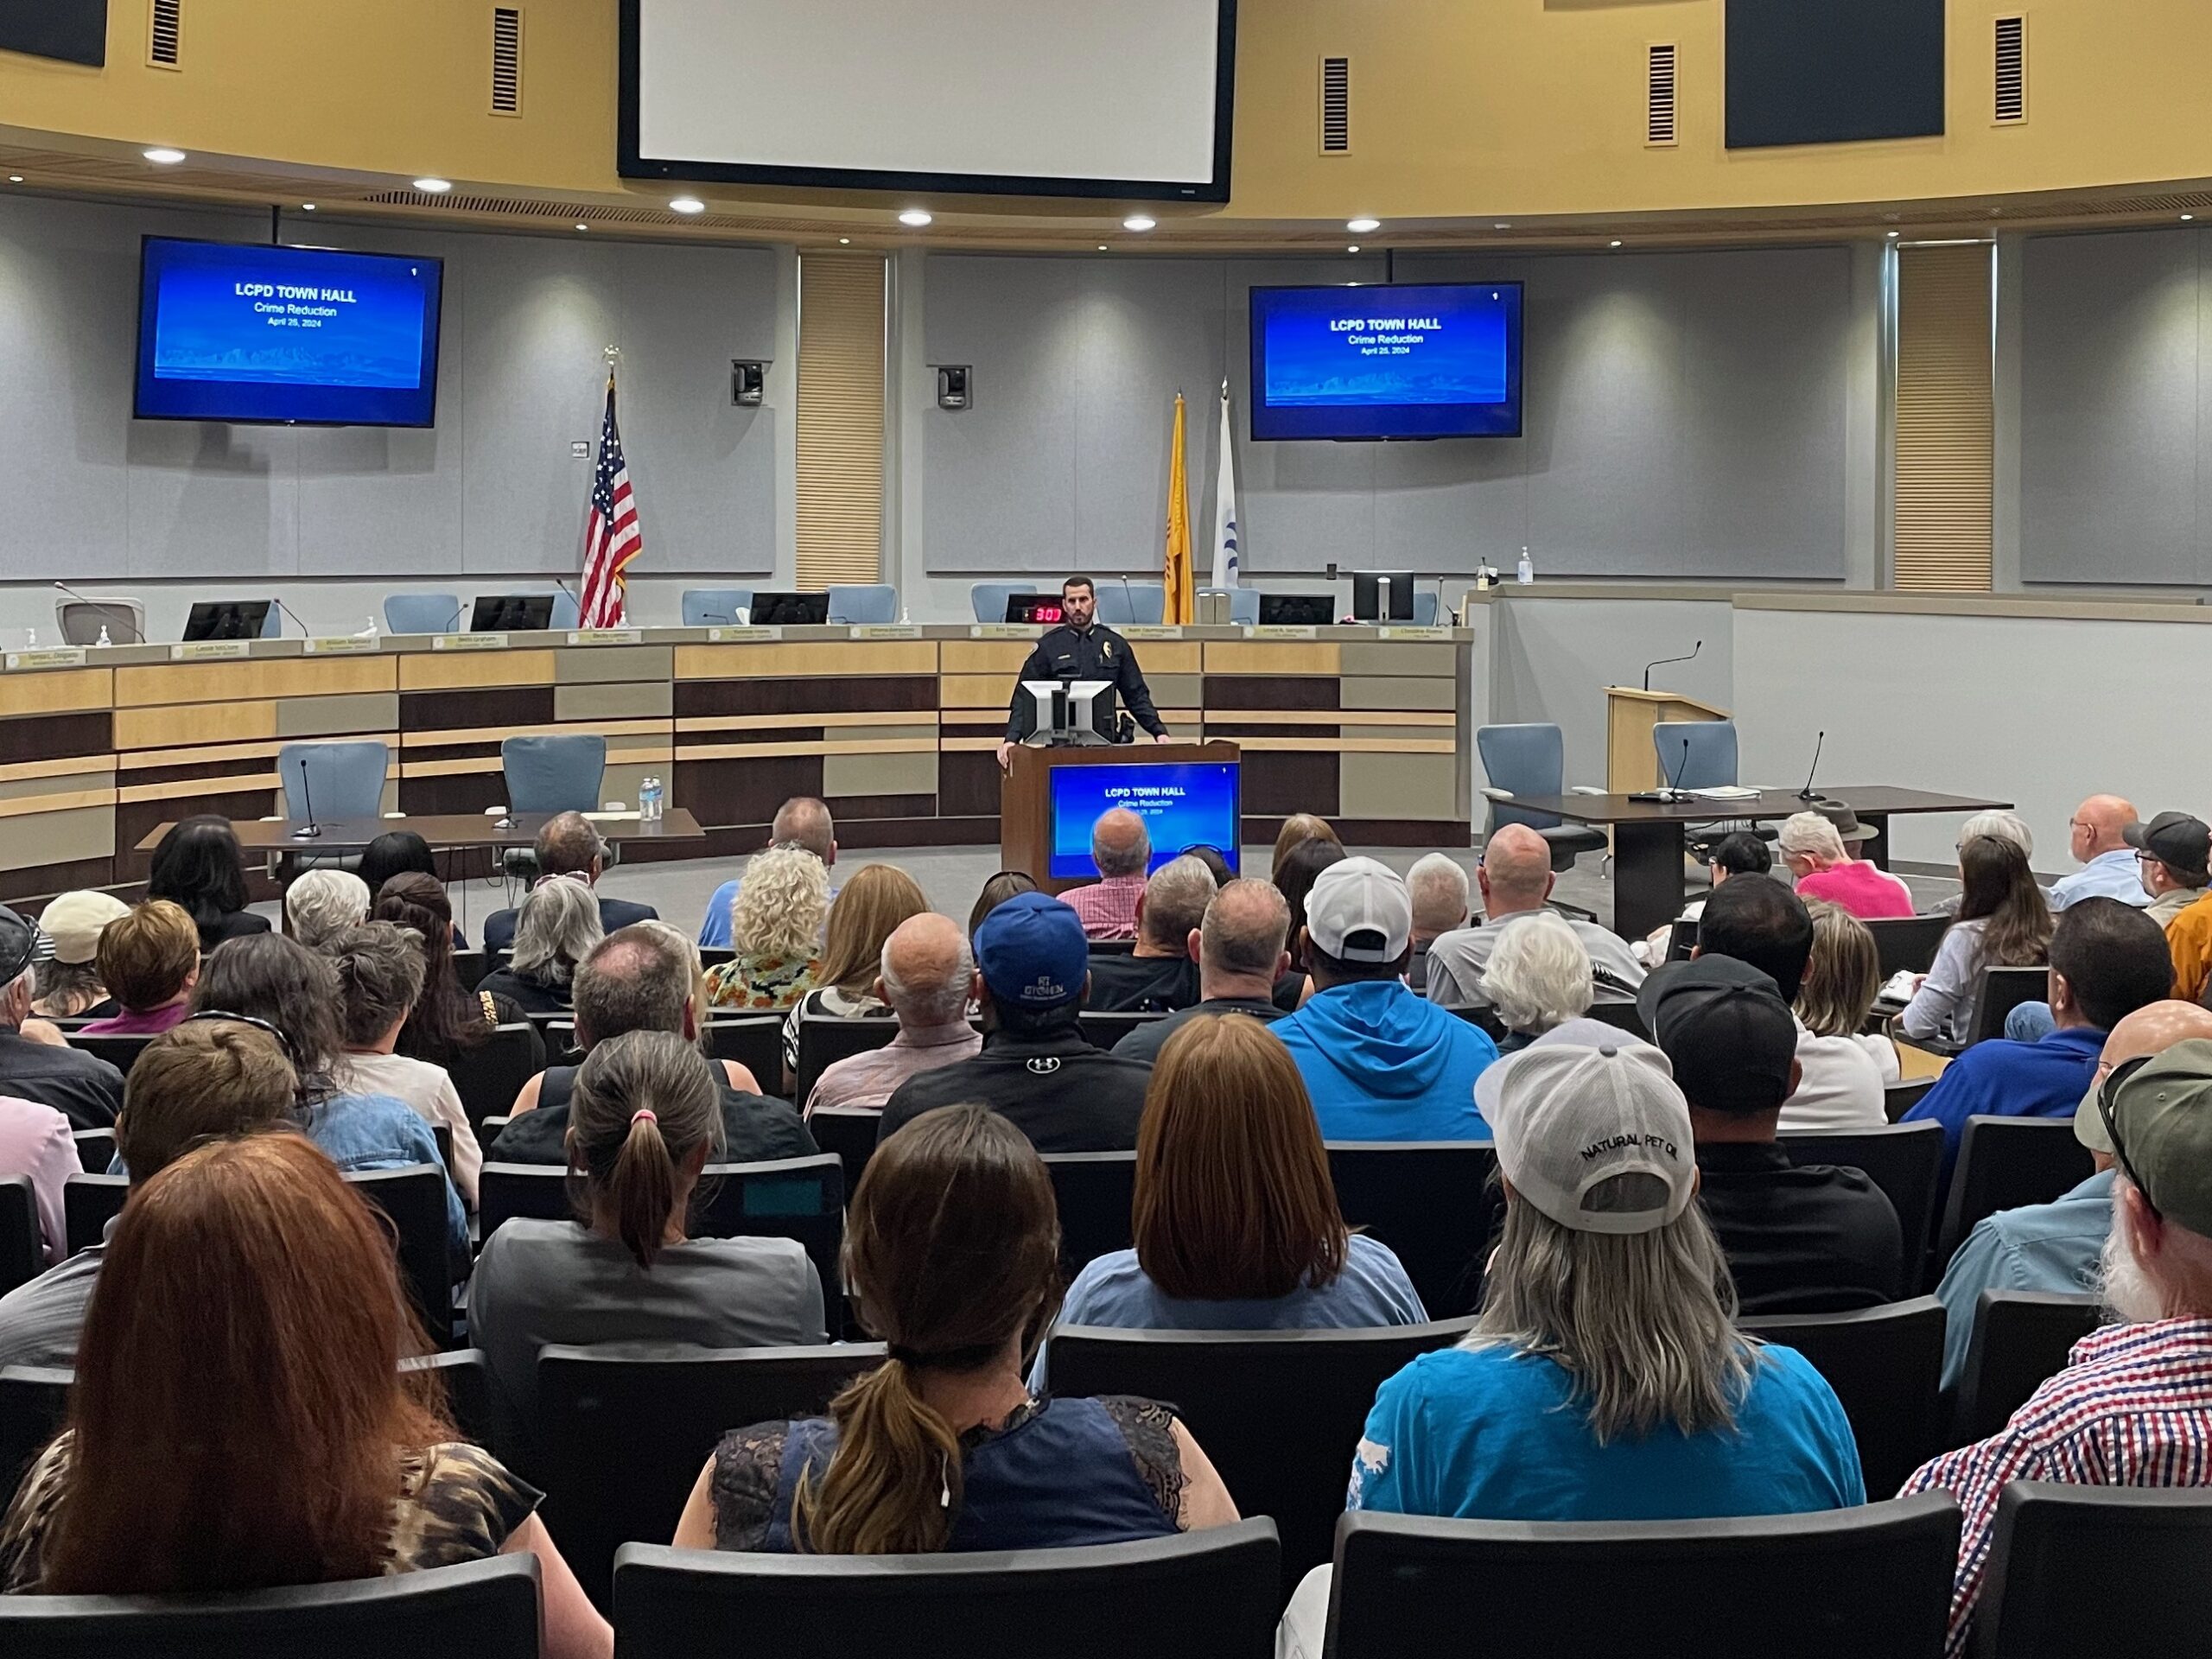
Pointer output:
x,y
1243,604
1426,606
343,780
989,598
706,607
873,601
1711,761
273,624
560,773
565,612
424,612
1530,758
1121,604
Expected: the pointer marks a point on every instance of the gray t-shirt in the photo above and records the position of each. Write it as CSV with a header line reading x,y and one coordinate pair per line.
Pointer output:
x,y
40,1321
1456,960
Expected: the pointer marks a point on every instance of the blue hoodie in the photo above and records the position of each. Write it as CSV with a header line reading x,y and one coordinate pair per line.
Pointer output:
x,y
1385,1064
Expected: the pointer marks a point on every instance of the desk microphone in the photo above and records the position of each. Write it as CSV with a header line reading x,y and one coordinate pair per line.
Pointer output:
x,y
1128,603
284,610
1806,793
1671,791
454,621
120,612
310,830
574,595
1664,661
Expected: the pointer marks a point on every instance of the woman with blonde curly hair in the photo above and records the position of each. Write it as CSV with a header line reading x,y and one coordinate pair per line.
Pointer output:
x,y
775,925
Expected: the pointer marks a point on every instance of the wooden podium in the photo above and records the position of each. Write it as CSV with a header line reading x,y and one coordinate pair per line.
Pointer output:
x,y
1026,796
1631,763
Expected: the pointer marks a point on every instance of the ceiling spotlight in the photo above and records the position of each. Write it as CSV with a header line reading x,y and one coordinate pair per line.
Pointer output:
x,y
434,186
1139,222
14,178
582,225
844,241
163,155
1361,226
1614,243
1503,225
306,206
1102,247
2185,218
916,217
687,204
1354,248
1893,236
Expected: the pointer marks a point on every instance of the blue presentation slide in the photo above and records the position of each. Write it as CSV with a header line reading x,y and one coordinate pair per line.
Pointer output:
x,y
263,333
1183,804
1345,362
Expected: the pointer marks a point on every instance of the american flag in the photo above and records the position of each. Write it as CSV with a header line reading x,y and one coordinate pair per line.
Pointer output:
x,y
612,538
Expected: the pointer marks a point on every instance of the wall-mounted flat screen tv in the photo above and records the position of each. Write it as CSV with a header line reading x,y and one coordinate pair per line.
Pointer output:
x,y
1434,360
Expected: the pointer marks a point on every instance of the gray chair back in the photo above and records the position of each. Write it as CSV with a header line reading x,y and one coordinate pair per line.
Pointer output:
x,y
339,780
2077,1570
553,772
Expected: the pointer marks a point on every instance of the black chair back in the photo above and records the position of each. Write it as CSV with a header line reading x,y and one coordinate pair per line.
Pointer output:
x,y
22,1243
2077,1570
1278,1412
1210,1592
626,1430
1103,1030
1904,1160
88,1203
756,1042
538,1191
1094,1191
1898,1098
95,1149
469,966
33,1405
485,1608
1886,1367
467,1379
825,1038
1621,1016
414,1200
2005,1162
1432,1202
1484,1020
1907,942
716,955
1999,991
1112,947
849,1132
488,1076
118,1050
1681,939
2021,1340
1843,1584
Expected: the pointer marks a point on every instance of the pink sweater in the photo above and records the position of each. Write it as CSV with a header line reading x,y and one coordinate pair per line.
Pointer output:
x,y
1869,893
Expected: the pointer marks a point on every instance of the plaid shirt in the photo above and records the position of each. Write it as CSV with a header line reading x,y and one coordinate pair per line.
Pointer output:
x,y
1108,908
2132,1407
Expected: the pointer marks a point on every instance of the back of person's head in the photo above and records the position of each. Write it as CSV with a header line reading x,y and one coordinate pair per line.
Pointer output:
x,y
200,1081
637,979
1243,930
1842,976
239,1407
1174,903
197,866
410,895
1295,874
873,902
73,924
446,1019
1439,886
1359,924
1297,827
1741,853
1233,1197
928,971
1034,963
1214,859
568,843
1119,844
147,957
2114,958
805,822
643,1118
1539,974
558,927
1724,1029
1762,922
952,1248
1811,837
2000,891
279,982
781,905
393,853
1516,869
2005,826
322,901
379,978
996,891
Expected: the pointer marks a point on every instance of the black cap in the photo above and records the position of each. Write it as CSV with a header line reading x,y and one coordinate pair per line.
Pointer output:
x,y
19,945
2177,840
1725,1030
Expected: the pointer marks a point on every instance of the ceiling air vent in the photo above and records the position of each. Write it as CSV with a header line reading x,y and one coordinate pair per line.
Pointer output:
x,y
2012,70
1336,106
506,60
1659,96
165,34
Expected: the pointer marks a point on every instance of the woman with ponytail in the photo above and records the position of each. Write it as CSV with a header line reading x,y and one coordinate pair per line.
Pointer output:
x,y
644,1119
952,1249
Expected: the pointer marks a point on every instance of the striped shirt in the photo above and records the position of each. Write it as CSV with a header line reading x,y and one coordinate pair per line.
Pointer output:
x,y
1108,908
2132,1407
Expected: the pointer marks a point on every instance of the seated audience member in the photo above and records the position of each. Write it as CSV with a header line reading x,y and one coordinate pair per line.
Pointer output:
x,y
1159,975
2098,839
1843,975
1241,957
1036,1068
1300,827
874,902
2005,826
776,923
924,977
446,1021
2172,852
1121,848
558,927
1295,874
1739,853
198,868
996,892
801,821
646,978
2133,1407
35,1064
2106,960
379,980
644,1119
1818,845
1214,859
1764,924
952,1249
401,852
2057,1246
569,844
1800,1238
1236,1223
322,900
1538,978
1380,1063
1438,887
206,1079
150,961
69,983
295,993
2004,921
1516,877
279,1444
35,1141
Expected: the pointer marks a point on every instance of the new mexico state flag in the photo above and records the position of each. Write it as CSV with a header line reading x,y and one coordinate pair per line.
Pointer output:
x,y
1175,568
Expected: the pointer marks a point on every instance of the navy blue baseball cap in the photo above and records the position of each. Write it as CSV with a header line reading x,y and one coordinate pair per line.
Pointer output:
x,y
1032,953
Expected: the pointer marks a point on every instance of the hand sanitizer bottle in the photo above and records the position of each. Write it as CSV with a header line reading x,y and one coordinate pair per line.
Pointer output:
x,y
1525,573
102,640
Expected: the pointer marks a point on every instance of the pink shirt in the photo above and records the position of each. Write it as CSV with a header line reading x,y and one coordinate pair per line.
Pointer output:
x,y
140,1022
1869,893
1108,908
35,1140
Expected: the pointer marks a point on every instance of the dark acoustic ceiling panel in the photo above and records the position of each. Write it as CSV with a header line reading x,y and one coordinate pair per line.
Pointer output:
x,y
74,30
1832,72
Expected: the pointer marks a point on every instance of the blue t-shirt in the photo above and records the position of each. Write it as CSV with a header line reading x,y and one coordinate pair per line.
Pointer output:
x,y
1495,1434
2003,1078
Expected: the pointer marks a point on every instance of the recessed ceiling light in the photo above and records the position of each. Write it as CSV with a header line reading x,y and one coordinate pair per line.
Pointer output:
x,y
687,204
1139,222
1102,247
306,206
2185,218
431,186
163,155
14,178
1361,226
1614,243
1503,225
1893,236
582,225
844,241
1354,248
916,217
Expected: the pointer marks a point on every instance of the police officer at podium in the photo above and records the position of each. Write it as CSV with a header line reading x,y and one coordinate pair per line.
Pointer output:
x,y
1081,648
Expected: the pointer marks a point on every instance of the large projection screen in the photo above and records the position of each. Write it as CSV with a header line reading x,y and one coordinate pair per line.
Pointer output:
x,y
1059,98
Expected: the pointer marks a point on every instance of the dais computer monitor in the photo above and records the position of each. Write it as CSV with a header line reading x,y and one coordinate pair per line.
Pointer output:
x,y
226,619
1297,610
1183,803
791,610
512,614
1383,595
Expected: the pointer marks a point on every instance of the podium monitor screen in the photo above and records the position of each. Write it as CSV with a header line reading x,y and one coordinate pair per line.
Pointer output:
x,y
1183,803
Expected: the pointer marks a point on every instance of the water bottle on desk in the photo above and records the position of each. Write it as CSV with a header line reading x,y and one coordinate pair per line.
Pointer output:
x,y
1525,573
649,801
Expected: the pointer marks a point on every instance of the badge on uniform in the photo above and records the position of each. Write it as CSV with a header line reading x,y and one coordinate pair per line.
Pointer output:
x,y
1106,650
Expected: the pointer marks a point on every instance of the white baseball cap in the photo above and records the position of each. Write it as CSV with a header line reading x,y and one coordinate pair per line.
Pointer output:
x,y
1569,1117
1359,896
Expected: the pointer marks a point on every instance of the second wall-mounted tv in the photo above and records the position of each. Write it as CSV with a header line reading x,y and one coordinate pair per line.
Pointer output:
x,y
1431,360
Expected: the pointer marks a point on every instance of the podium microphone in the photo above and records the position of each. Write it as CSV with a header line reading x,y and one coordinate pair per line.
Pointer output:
x,y
1664,661
1806,793
120,612
310,830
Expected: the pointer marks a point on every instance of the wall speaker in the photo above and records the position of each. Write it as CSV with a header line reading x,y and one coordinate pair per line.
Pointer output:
x,y
748,383
952,384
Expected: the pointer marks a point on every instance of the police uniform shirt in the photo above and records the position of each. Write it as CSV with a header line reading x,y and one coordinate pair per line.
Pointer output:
x,y
1097,653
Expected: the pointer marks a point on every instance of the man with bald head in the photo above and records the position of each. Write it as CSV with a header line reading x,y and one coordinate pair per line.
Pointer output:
x,y
1159,976
926,970
801,821
1239,944
2057,1246
1121,848
1515,878
2097,836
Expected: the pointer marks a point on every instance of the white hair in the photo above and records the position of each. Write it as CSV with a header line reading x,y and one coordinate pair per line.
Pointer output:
x,y
1438,887
323,901
556,928
27,982
2002,825
1810,836
1539,974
